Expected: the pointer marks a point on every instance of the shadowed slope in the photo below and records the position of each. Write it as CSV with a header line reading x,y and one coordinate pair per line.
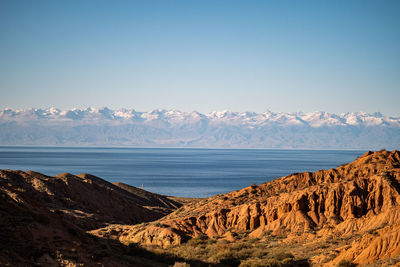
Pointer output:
x,y
148,199
44,219
86,200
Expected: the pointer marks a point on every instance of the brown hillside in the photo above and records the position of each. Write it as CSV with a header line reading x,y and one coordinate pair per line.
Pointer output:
x,y
43,219
354,210
153,200
86,200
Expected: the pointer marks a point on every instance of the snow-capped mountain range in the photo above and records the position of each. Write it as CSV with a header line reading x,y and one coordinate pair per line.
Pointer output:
x,y
173,128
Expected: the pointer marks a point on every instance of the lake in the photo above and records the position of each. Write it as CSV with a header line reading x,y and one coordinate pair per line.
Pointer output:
x,y
175,171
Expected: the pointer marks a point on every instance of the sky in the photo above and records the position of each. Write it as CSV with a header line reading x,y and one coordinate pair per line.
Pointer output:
x,y
284,56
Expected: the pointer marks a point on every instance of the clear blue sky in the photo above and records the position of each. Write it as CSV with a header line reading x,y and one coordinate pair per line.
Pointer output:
x,y
335,56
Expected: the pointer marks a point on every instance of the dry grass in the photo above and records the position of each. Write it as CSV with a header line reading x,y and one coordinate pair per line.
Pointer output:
x,y
245,252
270,250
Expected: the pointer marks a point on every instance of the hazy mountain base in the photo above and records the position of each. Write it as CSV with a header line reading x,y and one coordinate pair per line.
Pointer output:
x,y
200,135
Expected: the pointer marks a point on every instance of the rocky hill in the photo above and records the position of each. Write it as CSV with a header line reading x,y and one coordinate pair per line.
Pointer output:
x,y
336,216
84,199
43,219
339,217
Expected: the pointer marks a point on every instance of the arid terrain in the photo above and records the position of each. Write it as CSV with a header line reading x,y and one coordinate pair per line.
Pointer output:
x,y
346,216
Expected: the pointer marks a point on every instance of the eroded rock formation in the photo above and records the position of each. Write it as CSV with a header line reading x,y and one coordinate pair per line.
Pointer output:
x,y
357,199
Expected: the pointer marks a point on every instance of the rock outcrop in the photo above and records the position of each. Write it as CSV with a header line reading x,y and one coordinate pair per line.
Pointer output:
x,y
358,202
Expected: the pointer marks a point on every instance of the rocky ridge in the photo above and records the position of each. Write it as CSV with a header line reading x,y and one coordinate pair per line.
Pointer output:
x,y
87,200
357,203
44,219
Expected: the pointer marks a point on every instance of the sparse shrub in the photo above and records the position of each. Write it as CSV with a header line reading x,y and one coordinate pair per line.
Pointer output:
x,y
267,233
244,253
211,241
283,256
223,241
222,254
259,253
181,264
197,241
345,263
260,263
372,232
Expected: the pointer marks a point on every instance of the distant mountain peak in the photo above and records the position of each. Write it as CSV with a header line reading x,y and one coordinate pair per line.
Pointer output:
x,y
315,118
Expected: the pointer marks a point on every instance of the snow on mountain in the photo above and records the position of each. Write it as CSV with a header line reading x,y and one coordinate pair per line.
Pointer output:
x,y
314,119
159,127
318,119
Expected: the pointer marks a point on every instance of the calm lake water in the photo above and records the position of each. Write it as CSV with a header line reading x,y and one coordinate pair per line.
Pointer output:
x,y
175,171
